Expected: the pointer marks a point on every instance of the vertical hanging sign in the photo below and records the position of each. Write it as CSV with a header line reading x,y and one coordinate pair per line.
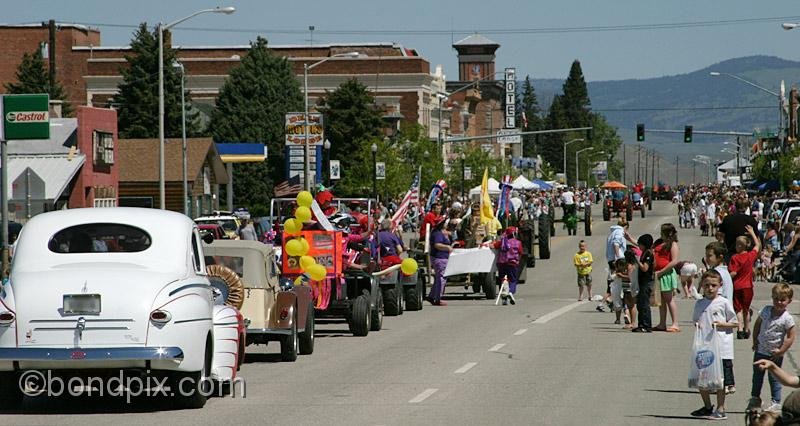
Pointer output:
x,y
511,98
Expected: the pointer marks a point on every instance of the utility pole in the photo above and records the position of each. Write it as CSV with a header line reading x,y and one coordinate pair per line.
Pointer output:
x,y
676,170
638,163
646,162
653,170
624,162
658,166
694,172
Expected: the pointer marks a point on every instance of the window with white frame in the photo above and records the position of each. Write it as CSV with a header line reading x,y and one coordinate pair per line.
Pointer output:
x,y
105,202
103,146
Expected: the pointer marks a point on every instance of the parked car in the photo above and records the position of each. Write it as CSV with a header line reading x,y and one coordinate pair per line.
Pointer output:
x,y
105,291
228,222
273,310
216,231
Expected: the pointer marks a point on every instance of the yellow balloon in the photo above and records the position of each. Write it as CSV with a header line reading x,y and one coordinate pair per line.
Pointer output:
x,y
293,247
303,214
317,272
409,266
306,262
299,280
290,227
304,199
304,243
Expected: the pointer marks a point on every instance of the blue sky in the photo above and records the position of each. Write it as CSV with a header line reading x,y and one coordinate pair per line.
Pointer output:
x,y
431,26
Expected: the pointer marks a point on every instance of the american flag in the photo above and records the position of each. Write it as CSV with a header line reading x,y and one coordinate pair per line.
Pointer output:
x,y
289,187
412,197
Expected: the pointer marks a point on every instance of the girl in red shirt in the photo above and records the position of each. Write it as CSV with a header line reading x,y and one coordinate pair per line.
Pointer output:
x,y
667,253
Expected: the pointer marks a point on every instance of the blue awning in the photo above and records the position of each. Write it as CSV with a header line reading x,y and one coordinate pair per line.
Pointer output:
x,y
242,152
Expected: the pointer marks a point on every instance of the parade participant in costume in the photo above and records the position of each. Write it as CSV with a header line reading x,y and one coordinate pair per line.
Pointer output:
x,y
508,257
390,245
440,253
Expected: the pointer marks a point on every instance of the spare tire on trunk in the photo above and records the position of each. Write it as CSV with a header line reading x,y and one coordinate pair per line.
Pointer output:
x,y
228,283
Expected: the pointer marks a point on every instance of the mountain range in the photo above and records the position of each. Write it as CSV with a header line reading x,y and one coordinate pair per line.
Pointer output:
x,y
706,102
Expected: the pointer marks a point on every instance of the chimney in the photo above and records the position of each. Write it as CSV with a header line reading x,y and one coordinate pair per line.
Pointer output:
x,y
55,108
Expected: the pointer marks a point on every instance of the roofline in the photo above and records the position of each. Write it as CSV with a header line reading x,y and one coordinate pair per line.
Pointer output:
x,y
247,46
43,24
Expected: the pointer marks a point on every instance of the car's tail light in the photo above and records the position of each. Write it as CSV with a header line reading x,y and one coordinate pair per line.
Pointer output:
x,y
159,316
284,313
6,318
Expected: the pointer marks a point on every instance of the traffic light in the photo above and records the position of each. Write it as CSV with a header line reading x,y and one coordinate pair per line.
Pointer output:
x,y
687,134
640,132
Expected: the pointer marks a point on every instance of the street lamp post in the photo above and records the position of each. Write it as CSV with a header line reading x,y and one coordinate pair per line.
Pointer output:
x,y
463,174
374,169
179,67
588,168
306,67
442,97
327,171
566,181
577,175
763,89
738,156
161,27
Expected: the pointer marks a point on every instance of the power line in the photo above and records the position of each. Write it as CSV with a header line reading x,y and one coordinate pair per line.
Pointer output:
x,y
487,31
681,108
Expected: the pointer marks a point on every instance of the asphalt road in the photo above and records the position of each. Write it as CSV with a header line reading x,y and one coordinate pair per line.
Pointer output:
x,y
548,360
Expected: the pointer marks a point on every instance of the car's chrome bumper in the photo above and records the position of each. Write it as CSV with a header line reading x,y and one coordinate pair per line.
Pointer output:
x,y
283,331
91,354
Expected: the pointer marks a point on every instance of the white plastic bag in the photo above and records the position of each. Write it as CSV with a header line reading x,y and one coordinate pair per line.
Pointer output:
x,y
705,370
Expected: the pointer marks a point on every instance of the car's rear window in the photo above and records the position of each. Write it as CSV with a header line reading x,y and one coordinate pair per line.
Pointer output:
x,y
100,238
234,263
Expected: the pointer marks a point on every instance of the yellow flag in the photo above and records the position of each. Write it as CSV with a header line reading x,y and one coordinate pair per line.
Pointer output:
x,y
487,214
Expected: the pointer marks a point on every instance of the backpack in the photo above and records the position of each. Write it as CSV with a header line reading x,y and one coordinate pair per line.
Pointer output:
x,y
510,252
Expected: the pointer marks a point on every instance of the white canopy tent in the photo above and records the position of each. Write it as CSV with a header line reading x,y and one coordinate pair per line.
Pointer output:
x,y
523,183
494,188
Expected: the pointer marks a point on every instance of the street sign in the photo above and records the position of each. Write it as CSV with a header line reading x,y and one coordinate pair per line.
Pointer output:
x,y
295,132
509,136
335,169
25,117
467,173
380,170
511,98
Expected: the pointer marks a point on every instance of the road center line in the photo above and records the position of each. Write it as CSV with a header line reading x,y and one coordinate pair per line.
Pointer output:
x,y
422,396
466,367
497,347
558,312
520,332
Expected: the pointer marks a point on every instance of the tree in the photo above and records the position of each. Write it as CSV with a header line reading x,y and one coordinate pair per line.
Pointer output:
x,y
529,105
137,97
553,143
252,107
606,139
32,77
350,119
576,98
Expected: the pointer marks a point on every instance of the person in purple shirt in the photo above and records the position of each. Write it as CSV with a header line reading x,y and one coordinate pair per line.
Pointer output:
x,y
390,245
440,253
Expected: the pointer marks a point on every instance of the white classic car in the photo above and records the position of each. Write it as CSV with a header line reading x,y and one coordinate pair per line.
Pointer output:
x,y
97,291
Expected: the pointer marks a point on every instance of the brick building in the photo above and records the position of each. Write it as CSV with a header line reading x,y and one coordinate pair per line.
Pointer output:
x,y
75,168
399,77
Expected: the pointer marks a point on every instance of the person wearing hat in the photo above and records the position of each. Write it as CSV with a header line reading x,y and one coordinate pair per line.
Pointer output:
x,y
508,257
389,245
440,253
432,217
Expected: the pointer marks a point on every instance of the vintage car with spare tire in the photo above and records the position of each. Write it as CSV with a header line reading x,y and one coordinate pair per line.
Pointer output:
x,y
107,291
274,309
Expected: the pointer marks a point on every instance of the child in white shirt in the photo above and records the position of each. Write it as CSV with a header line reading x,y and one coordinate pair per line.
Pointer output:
x,y
773,335
714,313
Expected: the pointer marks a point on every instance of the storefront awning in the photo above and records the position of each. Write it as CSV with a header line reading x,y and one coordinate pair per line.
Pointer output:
x,y
57,171
242,152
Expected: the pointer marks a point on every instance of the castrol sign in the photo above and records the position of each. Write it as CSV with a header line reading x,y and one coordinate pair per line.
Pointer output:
x,y
28,117
25,117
